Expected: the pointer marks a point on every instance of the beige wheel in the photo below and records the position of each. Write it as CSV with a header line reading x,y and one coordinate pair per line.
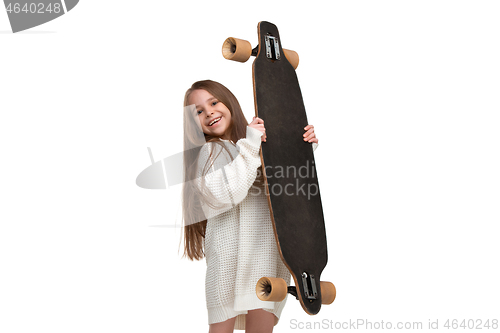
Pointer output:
x,y
328,292
236,49
271,289
292,57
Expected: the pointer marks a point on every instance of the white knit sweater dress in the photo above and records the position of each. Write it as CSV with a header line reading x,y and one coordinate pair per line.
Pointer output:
x,y
240,246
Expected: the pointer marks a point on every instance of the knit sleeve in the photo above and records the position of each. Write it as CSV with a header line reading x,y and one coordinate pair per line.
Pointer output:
x,y
225,180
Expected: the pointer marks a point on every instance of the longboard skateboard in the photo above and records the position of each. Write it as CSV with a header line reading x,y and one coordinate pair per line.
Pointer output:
x,y
289,171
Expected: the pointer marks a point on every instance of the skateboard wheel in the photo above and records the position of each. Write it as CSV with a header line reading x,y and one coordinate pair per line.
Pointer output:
x,y
328,292
236,49
292,57
271,289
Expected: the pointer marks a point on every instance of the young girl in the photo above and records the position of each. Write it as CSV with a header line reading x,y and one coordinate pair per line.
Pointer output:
x,y
226,213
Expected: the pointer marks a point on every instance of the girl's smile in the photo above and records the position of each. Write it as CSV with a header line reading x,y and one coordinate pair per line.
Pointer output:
x,y
214,116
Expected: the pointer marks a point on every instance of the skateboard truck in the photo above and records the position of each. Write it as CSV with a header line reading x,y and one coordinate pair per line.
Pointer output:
x,y
272,48
309,283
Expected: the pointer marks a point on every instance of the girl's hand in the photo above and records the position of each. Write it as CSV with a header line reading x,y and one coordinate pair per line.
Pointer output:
x,y
258,124
309,135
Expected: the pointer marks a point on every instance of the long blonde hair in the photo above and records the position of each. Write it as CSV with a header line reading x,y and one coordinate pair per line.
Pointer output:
x,y
194,231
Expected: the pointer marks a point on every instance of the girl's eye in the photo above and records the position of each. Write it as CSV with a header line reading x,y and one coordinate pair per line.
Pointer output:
x,y
214,102
198,112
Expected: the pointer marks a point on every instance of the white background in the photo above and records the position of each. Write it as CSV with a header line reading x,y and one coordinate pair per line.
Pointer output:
x,y
404,96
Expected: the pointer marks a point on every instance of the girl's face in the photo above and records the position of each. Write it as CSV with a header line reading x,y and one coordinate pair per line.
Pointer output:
x,y
214,116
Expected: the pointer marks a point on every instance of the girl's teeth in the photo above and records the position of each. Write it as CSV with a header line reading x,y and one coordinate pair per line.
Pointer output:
x,y
216,120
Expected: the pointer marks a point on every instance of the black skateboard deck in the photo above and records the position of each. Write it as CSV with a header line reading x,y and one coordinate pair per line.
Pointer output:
x,y
289,169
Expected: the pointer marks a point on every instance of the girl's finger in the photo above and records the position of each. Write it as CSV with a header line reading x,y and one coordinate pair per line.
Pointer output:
x,y
309,137
255,120
309,132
